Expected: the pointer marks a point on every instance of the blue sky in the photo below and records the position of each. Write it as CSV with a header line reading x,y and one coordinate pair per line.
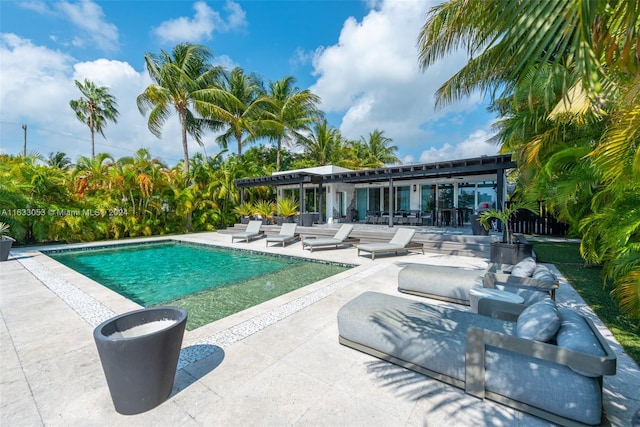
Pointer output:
x,y
360,57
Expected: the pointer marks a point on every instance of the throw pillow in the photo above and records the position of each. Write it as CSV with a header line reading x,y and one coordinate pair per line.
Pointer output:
x,y
524,268
542,272
575,334
539,321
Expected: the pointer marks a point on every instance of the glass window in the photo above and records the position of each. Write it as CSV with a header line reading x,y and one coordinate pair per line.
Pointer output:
x,y
292,193
466,201
487,195
466,195
374,199
445,196
310,200
427,198
342,199
385,198
402,198
361,203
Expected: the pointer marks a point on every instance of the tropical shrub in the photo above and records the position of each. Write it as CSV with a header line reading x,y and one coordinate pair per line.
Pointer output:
x,y
287,207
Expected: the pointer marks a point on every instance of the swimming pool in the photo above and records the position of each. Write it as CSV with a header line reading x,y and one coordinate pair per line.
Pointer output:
x,y
209,282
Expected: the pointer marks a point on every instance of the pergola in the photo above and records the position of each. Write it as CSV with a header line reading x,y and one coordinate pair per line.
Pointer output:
x,y
485,165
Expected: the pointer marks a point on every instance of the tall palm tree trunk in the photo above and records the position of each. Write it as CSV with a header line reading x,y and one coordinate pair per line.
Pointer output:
x,y
278,154
239,139
185,147
93,149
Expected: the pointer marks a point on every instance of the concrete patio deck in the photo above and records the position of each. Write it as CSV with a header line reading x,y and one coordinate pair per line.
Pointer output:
x,y
275,364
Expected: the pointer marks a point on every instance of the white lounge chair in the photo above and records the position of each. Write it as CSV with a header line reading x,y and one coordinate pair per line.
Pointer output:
x,y
400,242
287,234
340,238
251,232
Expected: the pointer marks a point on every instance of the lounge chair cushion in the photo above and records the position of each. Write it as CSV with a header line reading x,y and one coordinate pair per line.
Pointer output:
x,y
322,241
343,232
287,234
524,268
399,242
341,237
576,335
539,321
379,247
403,236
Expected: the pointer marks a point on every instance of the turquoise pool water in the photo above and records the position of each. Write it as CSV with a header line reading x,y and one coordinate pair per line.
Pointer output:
x,y
209,282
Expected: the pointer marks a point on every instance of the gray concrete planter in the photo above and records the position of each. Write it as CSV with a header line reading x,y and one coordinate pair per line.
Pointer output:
x,y
139,353
477,228
510,253
5,248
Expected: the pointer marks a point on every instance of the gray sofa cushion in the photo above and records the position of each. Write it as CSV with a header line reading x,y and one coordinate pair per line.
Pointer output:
x,y
529,296
575,334
524,268
442,282
547,385
539,321
430,336
542,272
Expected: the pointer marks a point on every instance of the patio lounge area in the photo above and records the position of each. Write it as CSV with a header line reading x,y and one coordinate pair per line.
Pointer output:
x,y
279,363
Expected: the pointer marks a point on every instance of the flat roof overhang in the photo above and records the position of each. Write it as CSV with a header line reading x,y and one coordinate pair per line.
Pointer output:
x,y
449,169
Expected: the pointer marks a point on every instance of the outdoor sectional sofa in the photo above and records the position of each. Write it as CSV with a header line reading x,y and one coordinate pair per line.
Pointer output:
x,y
549,363
453,284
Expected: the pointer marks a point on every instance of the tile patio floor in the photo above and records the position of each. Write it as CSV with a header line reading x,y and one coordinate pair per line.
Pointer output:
x,y
276,364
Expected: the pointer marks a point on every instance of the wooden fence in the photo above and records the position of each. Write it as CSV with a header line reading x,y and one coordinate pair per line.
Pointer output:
x,y
544,223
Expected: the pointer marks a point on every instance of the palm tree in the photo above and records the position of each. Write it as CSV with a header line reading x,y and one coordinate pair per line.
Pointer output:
x,y
239,103
59,160
325,146
376,152
95,108
292,111
591,49
506,40
182,80
92,174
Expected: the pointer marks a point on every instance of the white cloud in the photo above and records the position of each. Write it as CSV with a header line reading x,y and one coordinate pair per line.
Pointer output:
x,y
372,77
37,6
31,77
37,85
86,16
475,145
202,25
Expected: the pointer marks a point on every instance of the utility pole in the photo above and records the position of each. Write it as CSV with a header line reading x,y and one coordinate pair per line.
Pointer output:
x,y
24,149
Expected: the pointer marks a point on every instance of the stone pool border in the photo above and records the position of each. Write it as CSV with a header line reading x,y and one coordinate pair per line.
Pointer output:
x,y
95,312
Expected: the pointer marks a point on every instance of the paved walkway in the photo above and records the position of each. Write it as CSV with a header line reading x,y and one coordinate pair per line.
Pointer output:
x,y
278,363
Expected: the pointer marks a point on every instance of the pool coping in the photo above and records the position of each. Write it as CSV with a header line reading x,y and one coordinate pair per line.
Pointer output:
x,y
96,303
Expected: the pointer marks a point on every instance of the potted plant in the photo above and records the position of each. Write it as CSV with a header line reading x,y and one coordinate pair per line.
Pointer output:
x,y
5,241
264,209
509,250
286,208
245,210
